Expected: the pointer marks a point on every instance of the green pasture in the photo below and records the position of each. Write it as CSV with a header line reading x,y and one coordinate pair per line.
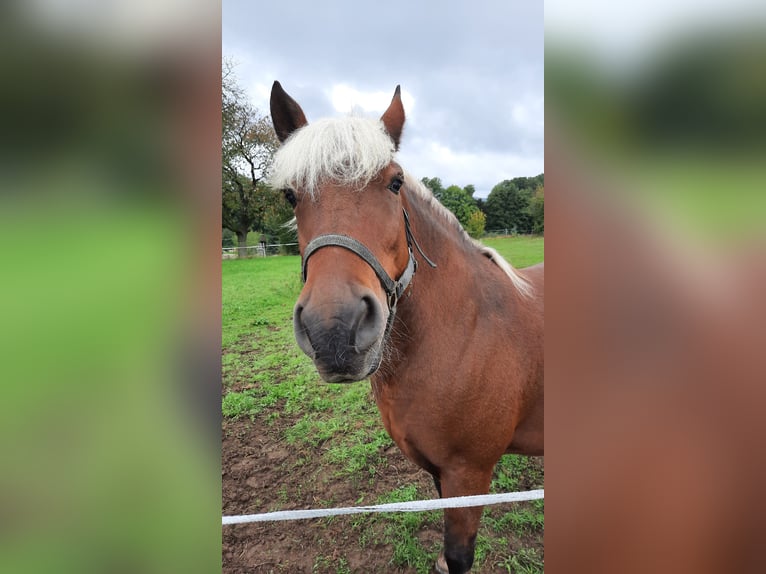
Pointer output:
x,y
265,375
521,251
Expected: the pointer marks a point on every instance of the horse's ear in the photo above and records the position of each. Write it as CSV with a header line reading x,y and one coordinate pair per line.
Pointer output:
x,y
393,118
286,114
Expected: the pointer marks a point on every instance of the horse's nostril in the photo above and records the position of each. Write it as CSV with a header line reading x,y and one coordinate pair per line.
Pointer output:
x,y
298,319
301,332
339,334
367,329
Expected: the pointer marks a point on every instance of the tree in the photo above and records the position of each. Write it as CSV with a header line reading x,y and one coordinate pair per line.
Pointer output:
x,y
274,225
507,208
537,210
435,185
528,184
475,225
248,144
508,204
458,202
227,238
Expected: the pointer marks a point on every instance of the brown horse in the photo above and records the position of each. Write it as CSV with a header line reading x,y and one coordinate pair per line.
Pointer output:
x,y
450,335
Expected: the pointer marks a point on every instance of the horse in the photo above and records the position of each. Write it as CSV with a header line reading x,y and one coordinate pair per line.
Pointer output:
x,y
449,334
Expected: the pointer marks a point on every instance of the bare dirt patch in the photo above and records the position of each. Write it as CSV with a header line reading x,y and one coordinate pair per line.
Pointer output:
x,y
261,472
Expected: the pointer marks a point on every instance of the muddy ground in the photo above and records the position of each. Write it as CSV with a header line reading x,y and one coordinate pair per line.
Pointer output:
x,y
261,472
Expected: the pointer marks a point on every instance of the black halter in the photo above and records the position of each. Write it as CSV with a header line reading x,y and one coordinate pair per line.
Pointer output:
x,y
394,289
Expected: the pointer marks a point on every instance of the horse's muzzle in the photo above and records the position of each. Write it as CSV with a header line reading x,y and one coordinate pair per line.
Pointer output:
x,y
344,339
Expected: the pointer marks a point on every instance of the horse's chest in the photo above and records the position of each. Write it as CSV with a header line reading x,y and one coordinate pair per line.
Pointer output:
x,y
410,445
405,422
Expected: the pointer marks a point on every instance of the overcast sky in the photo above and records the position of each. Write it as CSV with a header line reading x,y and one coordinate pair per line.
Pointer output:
x,y
471,75
627,31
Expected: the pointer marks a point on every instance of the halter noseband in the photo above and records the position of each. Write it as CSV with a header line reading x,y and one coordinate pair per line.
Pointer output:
x,y
394,288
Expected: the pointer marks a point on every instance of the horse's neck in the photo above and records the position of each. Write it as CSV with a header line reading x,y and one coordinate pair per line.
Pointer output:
x,y
439,240
434,291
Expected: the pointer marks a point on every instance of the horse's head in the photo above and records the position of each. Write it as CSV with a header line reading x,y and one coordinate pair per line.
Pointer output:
x,y
343,183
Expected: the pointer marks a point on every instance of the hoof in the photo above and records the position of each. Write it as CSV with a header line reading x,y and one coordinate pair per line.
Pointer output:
x,y
441,564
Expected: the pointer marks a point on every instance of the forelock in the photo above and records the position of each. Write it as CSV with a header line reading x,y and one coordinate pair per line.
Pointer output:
x,y
347,151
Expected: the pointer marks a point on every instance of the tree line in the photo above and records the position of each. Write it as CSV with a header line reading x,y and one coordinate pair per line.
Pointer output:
x,y
513,206
248,144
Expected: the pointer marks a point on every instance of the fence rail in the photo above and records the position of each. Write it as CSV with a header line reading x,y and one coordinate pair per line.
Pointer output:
x,y
414,506
260,250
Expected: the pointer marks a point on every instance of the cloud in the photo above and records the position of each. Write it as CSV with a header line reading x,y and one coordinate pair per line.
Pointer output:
x,y
429,158
345,98
471,76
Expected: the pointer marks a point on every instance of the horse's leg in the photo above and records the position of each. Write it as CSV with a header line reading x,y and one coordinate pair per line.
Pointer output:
x,y
461,524
437,484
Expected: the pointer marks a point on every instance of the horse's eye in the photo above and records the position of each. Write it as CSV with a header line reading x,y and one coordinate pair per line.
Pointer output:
x,y
396,184
290,196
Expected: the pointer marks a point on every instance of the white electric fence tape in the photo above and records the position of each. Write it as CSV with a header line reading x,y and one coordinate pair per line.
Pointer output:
x,y
415,506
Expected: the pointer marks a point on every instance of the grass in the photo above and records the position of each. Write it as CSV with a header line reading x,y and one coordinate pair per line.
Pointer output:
x,y
258,294
524,561
266,375
520,251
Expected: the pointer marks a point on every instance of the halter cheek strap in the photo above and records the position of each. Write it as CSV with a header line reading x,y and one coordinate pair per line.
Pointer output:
x,y
393,288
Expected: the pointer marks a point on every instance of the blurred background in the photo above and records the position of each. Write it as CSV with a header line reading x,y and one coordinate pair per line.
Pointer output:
x,y
109,155
679,116
656,269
